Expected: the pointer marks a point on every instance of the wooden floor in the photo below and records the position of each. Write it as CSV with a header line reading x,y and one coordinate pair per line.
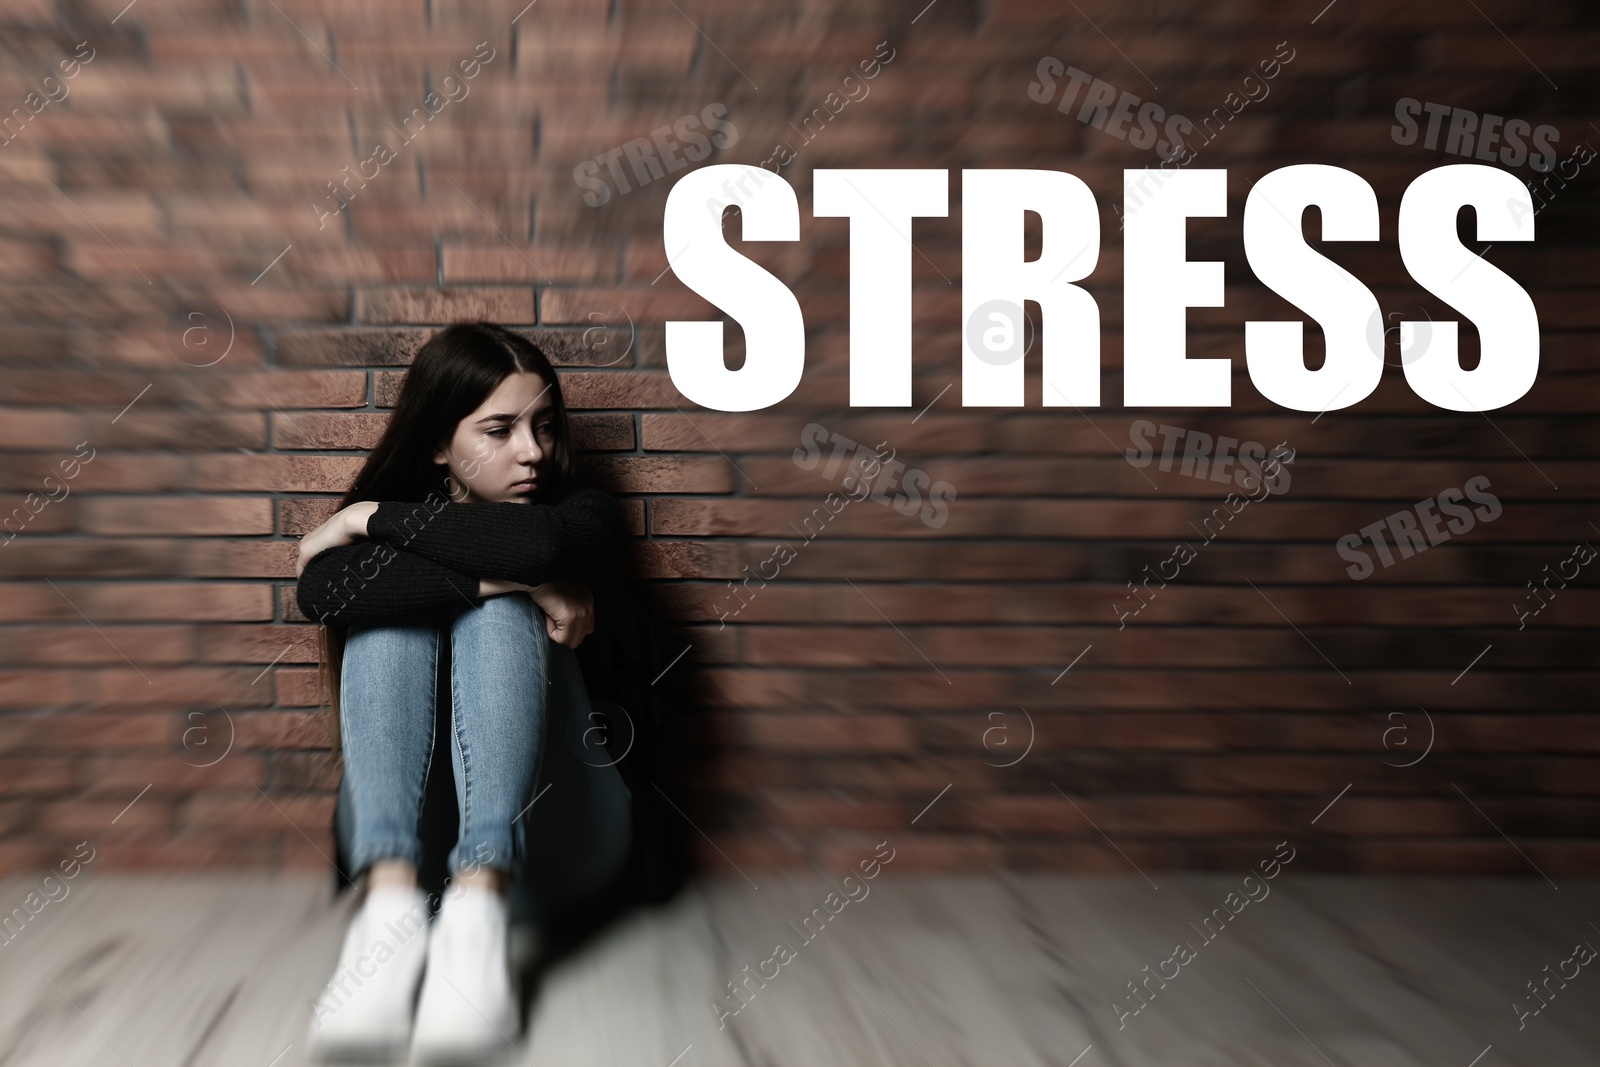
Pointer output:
x,y
982,971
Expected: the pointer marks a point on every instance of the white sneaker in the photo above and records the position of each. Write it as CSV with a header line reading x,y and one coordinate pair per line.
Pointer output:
x,y
365,1009
468,1008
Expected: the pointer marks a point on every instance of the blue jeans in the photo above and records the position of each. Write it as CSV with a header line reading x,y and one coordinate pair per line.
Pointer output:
x,y
519,709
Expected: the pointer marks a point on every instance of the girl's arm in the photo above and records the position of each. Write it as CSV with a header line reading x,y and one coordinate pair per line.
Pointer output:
x,y
374,582
335,588
578,539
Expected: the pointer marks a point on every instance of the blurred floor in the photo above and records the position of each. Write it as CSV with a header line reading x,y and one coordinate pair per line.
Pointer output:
x,y
984,971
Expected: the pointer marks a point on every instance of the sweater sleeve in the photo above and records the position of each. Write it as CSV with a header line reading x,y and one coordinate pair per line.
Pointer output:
x,y
373,582
578,539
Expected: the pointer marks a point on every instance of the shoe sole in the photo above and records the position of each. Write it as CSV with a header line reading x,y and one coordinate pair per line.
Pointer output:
x,y
461,1055
389,1051
431,1052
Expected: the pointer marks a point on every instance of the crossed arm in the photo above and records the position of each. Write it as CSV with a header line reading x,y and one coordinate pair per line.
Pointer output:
x,y
379,561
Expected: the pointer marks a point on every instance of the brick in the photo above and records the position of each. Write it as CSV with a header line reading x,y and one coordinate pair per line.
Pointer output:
x,y
298,687
177,516
278,730
1483,52
39,645
58,477
147,602
606,338
32,777
299,517
603,432
183,432
510,304
316,430
503,263
32,687
21,427
686,559
15,816
678,432
810,809
278,390
652,474
1007,815
167,776
296,772
349,346
27,855
242,559
1365,817
47,387
93,818
302,474
220,810
257,644
124,214
233,687
829,733
619,389
559,306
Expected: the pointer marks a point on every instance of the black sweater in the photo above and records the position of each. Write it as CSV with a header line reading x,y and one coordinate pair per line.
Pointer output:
x,y
421,557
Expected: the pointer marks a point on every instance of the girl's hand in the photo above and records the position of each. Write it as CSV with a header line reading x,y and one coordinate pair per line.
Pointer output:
x,y
343,527
497,586
568,609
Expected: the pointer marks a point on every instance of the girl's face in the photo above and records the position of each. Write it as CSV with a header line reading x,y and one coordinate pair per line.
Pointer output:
x,y
500,452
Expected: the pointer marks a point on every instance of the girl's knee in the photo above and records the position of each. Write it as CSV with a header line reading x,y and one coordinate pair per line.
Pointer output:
x,y
518,602
388,636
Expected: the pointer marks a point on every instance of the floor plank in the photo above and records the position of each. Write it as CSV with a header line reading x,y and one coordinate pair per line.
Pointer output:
x,y
901,971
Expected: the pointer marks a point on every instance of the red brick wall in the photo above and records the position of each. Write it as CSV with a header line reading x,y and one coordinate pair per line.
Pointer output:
x,y
170,191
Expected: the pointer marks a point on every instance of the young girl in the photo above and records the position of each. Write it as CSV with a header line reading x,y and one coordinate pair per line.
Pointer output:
x,y
465,515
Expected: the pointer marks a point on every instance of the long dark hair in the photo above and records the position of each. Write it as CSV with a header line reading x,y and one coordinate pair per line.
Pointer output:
x,y
451,375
